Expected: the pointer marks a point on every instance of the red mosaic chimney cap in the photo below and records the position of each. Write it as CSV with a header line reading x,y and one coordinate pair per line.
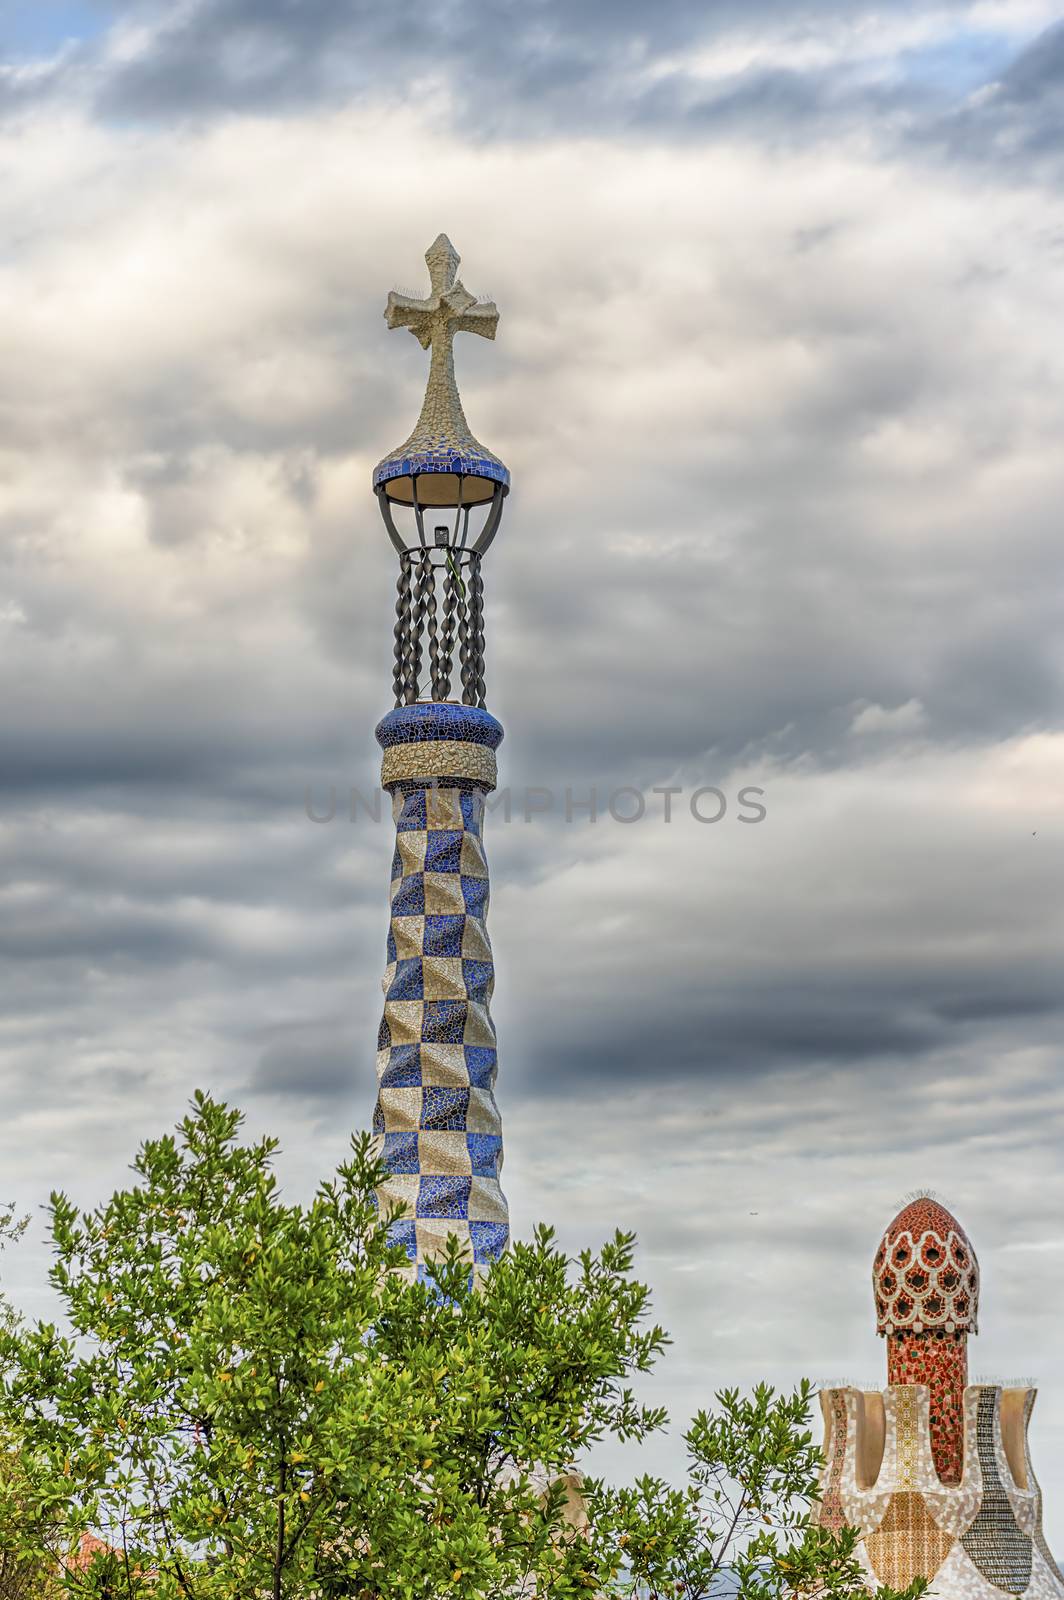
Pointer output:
x,y
925,1274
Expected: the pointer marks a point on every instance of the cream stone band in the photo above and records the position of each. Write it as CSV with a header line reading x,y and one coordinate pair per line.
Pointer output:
x,y
439,758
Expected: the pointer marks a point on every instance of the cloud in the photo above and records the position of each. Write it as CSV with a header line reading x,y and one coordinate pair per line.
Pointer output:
x,y
837,930
308,1061
1013,119
783,428
907,718
534,70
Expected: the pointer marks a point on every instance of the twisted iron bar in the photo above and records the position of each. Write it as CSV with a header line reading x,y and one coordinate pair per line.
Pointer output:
x,y
421,588
466,648
431,630
463,648
441,684
402,629
418,625
476,607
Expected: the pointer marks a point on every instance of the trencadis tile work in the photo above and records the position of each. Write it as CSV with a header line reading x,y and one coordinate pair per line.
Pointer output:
x,y
934,1471
436,1116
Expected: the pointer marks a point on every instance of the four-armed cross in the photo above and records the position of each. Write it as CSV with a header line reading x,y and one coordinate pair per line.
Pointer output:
x,y
442,455
448,310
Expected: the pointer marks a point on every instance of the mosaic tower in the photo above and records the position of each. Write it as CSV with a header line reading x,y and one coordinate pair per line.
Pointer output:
x,y
934,1471
441,496
926,1282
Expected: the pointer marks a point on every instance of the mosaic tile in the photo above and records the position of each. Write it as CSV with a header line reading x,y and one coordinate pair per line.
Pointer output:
x,y
482,1065
401,1068
444,1152
407,983
908,1543
940,1361
443,894
443,935
410,896
436,1064
1034,1488
444,1108
407,938
479,979
443,1021
926,1283
489,1240
443,850
925,1273
444,1197
831,1512
411,812
994,1542
443,1066
944,1503
474,896
448,760
433,721
485,1154
401,1152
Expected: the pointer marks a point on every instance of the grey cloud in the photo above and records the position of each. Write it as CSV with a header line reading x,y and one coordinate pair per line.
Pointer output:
x,y
781,450
509,70
310,1061
23,90
232,55
67,932
1038,72
690,624
1014,122
519,68
779,106
745,1000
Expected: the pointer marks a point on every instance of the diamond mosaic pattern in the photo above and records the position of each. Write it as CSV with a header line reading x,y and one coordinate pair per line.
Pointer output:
x,y
436,1062
927,1470
995,1543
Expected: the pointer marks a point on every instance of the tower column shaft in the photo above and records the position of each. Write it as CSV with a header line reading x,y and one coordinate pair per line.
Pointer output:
x,y
941,1361
926,1282
436,1116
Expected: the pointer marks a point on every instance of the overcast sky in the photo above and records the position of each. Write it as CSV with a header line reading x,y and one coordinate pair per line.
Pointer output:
x,y
778,377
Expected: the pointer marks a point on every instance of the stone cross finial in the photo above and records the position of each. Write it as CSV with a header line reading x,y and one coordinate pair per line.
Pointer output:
x,y
442,441
448,310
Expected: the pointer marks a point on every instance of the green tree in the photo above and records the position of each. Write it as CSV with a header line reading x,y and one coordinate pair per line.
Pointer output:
x,y
742,1524
25,1573
248,1402
12,1228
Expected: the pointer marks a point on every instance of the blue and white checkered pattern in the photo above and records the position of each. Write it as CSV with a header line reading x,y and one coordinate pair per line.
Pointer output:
x,y
436,1112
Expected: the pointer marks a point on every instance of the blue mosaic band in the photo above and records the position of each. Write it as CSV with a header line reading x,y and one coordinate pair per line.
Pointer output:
x,y
441,458
441,742
436,1116
431,721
